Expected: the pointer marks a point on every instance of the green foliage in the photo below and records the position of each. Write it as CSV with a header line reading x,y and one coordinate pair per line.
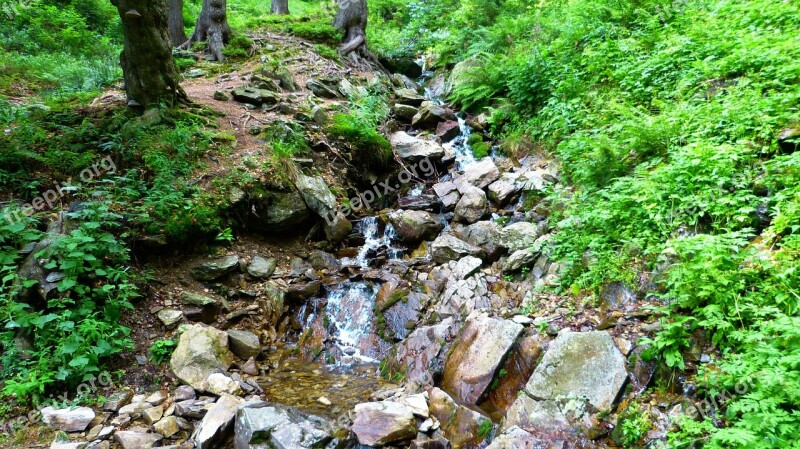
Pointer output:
x,y
161,350
358,129
485,428
632,426
326,52
480,149
240,46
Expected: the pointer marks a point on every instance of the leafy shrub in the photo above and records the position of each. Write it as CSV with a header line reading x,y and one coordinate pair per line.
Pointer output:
x,y
161,350
632,427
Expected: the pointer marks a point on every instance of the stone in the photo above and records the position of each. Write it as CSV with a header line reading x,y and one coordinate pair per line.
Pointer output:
x,y
255,96
244,344
261,425
279,211
430,203
448,247
99,432
220,385
580,364
191,408
325,87
423,352
68,419
156,398
130,439
459,424
414,225
117,400
167,427
522,235
261,268
616,296
413,149
301,291
472,206
217,423
480,174
282,75
169,317
402,317
418,403
466,267
201,351
486,235
250,367
134,409
520,259
337,227
383,423
476,357
221,96
152,414
516,438
183,393
430,114
215,269
58,444
448,130
518,368
409,96
316,194
405,112
504,189
788,139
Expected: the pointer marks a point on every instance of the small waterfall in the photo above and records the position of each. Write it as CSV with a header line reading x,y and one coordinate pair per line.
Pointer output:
x,y
369,227
350,313
461,147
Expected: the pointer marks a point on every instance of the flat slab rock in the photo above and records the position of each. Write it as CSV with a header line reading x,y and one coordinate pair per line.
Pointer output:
x,y
382,423
68,419
477,355
265,425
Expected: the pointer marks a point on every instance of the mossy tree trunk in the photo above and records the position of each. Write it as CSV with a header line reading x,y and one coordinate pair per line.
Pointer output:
x,y
279,7
212,27
150,74
177,35
351,18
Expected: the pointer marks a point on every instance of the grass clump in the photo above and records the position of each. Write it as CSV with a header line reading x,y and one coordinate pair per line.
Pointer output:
x,y
358,129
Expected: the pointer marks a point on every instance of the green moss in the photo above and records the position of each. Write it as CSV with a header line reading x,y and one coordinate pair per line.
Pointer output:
x,y
369,148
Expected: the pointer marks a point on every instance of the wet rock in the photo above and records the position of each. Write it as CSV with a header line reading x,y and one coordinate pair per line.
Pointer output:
x,y
255,96
321,260
337,228
303,290
448,194
522,235
419,202
316,194
217,423
261,268
383,423
68,419
504,189
169,317
243,343
401,317
117,400
448,247
448,130
430,114
215,269
261,425
405,112
201,351
131,439
413,149
518,369
413,225
325,87
581,364
459,424
472,206
479,174
520,259
409,96
422,354
477,355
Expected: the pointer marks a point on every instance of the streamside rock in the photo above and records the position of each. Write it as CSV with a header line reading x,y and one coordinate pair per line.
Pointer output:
x,y
261,268
383,423
409,96
486,235
413,149
476,357
215,269
504,189
430,114
415,225
272,211
472,206
261,425
459,424
244,344
201,351
522,235
580,364
405,112
68,419
520,259
217,423
448,247
131,439
448,130
516,438
320,199
422,354
479,174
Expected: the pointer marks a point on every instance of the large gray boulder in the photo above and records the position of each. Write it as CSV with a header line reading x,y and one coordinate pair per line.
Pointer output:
x,y
261,268
520,259
68,419
383,423
201,351
255,96
472,206
217,423
320,199
413,149
214,269
262,425
244,344
477,355
279,211
448,247
415,225
580,364
431,114
485,235
409,96
505,188
423,352
522,235
479,174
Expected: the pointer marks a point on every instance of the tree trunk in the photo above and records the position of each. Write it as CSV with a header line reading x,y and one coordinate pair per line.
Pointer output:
x,y
212,27
280,7
351,18
150,74
177,35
